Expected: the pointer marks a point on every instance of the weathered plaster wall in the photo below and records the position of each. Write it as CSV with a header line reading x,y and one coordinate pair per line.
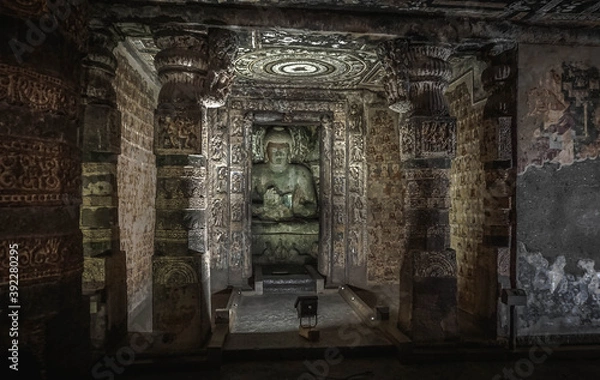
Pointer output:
x,y
384,197
558,189
136,176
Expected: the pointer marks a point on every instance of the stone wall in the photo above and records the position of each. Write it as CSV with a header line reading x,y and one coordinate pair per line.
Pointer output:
x,y
558,189
41,244
136,177
384,197
466,193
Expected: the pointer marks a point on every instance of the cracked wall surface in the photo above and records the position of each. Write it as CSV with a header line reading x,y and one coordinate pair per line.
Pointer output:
x,y
558,255
558,190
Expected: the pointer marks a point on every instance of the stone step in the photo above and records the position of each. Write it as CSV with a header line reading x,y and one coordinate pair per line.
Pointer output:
x,y
287,279
289,284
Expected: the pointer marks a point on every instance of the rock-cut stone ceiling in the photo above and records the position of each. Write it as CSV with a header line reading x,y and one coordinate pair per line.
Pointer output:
x,y
332,44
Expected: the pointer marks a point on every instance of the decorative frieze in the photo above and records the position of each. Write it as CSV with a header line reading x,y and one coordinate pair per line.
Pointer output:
x,y
43,258
435,264
428,138
25,87
284,105
39,172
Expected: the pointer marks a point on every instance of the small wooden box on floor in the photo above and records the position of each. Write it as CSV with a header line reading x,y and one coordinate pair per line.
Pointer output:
x,y
309,333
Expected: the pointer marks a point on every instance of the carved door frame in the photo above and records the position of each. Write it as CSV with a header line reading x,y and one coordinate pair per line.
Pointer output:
x,y
325,190
228,152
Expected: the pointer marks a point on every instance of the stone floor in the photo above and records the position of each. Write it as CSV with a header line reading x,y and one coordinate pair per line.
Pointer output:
x,y
270,323
265,345
270,313
389,368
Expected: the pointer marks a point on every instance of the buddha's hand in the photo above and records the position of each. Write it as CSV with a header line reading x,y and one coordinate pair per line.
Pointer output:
x,y
272,198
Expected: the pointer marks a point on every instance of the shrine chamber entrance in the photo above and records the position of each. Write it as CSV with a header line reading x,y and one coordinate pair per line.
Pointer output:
x,y
285,212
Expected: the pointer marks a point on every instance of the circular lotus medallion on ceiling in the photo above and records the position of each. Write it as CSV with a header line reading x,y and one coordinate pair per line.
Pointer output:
x,y
298,66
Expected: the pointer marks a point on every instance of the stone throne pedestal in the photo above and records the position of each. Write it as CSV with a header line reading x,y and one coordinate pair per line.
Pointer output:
x,y
285,242
285,256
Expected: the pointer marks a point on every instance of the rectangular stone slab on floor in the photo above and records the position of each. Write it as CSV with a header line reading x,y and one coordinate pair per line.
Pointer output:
x,y
276,313
270,322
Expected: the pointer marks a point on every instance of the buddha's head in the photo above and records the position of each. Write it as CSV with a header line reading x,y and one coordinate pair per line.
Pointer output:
x,y
277,145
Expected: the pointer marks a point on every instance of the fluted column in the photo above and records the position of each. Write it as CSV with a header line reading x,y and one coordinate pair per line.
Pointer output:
x,y
41,253
104,264
427,143
194,68
500,81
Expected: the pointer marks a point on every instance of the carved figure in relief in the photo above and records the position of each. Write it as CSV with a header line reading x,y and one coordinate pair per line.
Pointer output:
x,y
358,210
221,183
217,146
281,190
237,154
236,212
237,182
355,119
217,213
354,177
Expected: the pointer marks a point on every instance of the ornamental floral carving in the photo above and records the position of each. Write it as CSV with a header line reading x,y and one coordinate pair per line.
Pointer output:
x,y
20,86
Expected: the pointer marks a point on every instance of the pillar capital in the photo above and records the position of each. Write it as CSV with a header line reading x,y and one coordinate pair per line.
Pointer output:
x,y
416,76
195,66
498,78
181,64
99,67
429,73
392,54
222,50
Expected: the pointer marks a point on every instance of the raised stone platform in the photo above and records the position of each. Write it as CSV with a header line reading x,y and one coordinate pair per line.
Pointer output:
x,y
285,242
287,279
267,325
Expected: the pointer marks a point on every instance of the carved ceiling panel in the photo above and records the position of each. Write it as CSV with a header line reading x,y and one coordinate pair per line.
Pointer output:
x,y
277,58
307,44
305,67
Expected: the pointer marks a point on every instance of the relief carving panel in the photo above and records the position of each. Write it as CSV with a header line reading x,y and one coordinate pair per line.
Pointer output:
x,y
178,133
34,171
20,86
44,258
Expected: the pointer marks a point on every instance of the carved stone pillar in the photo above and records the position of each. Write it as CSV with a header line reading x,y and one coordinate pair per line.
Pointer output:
x,y
104,277
427,143
195,69
41,253
180,309
499,117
